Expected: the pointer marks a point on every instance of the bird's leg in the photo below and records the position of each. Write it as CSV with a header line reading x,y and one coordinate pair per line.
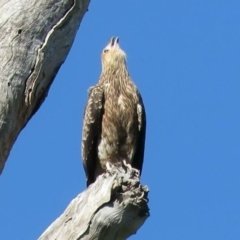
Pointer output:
x,y
108,166
127,165
132,170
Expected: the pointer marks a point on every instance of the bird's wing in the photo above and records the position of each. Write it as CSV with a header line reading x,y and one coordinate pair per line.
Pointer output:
x,y
140,145
92,131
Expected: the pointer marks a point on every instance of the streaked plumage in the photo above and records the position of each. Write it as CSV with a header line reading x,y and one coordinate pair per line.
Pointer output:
x,y
114,118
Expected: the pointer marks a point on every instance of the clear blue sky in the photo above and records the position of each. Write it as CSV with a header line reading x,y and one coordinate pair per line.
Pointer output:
x,y
184,57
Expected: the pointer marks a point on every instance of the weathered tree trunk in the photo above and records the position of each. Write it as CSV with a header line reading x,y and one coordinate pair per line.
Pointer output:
x,y
113,208
35,38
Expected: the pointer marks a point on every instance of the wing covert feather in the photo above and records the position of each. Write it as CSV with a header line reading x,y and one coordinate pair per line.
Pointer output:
x,y
92,131
139,152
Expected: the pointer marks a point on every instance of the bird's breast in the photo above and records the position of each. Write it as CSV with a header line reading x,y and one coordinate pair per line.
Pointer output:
x,y
121,103
119,127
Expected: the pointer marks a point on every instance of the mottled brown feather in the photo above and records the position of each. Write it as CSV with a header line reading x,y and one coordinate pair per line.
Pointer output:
x,y
91,128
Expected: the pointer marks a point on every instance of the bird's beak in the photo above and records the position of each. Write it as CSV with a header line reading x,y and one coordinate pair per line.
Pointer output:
x,y
114,41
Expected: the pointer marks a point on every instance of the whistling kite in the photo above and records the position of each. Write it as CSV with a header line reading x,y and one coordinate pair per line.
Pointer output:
x,y
114,118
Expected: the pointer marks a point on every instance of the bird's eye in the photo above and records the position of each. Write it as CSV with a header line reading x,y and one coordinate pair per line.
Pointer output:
x,y
105,50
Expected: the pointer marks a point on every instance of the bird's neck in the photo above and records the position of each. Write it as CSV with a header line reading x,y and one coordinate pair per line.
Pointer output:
x,y
110,74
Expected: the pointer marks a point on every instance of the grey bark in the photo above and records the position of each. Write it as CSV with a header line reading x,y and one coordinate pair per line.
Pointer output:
x,y
35,38
112,208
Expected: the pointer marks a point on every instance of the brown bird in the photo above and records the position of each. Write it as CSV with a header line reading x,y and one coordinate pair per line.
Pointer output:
x,y
114,119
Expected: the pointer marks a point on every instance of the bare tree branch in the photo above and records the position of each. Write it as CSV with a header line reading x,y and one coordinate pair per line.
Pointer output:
x,y
112,208
35,39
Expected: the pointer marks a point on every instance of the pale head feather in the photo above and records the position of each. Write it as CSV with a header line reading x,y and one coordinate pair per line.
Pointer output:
x,y
112,55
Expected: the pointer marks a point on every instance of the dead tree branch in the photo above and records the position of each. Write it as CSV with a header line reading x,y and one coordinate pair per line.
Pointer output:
x,y
35,39
112,208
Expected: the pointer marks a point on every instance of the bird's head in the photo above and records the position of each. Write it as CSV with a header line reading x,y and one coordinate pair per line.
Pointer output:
x,y
112,55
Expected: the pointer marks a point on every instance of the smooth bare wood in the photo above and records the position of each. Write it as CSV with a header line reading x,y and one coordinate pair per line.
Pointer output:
x,y
112,208
35,38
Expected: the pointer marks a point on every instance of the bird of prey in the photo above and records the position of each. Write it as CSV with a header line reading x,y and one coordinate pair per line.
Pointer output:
x,y
114,122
